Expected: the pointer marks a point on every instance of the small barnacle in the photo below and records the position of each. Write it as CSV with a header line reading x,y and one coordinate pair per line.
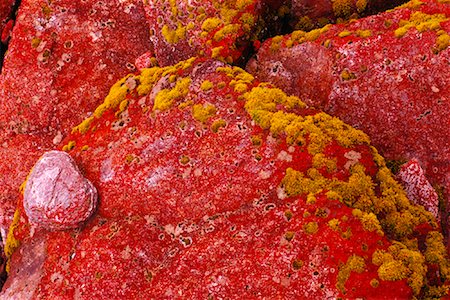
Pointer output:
x,y
57,196
288,214
68,44
297,264
184,160
289,235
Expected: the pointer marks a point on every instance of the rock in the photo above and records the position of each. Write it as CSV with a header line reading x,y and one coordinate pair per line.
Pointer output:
x,y
72,53
223,30
213,184
384,74
310,14
56,195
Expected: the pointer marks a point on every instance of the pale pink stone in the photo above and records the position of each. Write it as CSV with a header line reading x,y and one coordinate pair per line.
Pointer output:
x,y
418,188
57,196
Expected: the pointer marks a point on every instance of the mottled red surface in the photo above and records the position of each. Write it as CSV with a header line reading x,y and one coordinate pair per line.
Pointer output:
x,y
5,13
396,89
241,23
188,210
61,62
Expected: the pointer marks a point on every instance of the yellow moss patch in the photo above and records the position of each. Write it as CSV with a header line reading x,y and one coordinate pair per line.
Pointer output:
x,y
354,264
211,24
216,125
421,21
206,85
369,221
12,243
202,113
226,30
311,227
399,263
70,145
173,36
164,99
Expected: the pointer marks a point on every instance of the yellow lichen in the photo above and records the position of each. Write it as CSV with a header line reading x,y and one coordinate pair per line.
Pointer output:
x,y
70,145
216,125
123,105
211,24
311,227
436,253
206,85
342,8
334,224
173,36
369,221
344,33
215,52
164,99
202,113
354,264
12,243
442,41
226,30
364,33
311,199
289,235
361,5
184,159
399,263
421,21
374,283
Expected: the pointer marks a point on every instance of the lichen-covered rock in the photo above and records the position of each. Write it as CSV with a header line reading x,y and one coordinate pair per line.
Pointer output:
x,y
214,185
62,59
309,14
219,29
385,74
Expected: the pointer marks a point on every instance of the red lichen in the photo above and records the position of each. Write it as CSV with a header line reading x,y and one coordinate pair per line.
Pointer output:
x,y
214,185
62,59
384,74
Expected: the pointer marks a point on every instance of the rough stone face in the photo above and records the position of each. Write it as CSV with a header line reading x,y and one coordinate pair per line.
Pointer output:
x,y
213,184
62,59
385,74
56,195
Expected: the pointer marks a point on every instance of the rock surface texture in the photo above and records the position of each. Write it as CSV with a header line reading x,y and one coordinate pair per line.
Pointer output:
x,y
72,51
387,75
194,179
214,185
